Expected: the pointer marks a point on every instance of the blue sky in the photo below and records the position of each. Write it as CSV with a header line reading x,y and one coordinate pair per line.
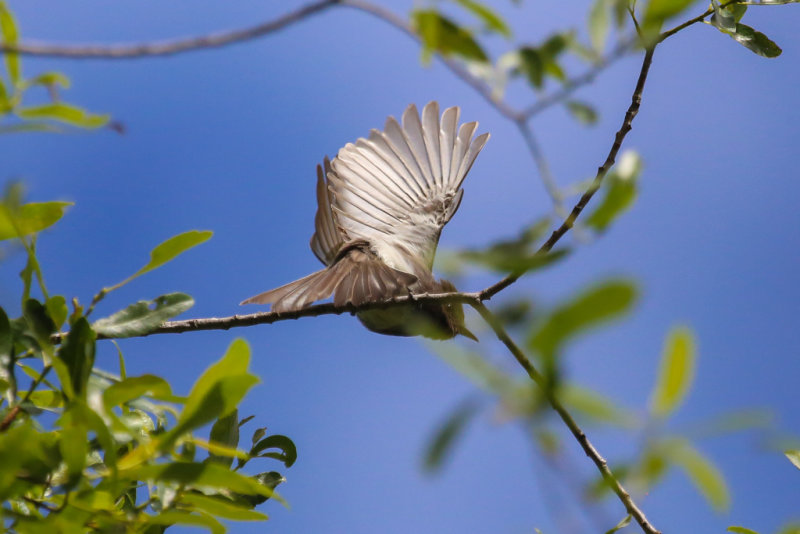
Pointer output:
x,y
228,139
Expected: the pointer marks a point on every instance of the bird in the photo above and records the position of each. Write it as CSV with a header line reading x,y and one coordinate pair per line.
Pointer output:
x,y
381,205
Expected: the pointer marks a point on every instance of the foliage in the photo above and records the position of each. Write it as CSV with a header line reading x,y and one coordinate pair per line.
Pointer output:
x,y
84,449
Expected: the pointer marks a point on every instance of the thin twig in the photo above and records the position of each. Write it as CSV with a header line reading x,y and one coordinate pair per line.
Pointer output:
x,y
165,48
574,428
16,409
627,124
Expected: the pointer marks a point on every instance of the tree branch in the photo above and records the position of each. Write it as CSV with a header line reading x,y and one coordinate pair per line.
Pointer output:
x,y
165,48
627,124
574,428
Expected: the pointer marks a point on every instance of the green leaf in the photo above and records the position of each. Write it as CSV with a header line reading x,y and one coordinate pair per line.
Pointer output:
x,y
8,28
753,40
595,406
51,78
144,316
66,113
676,372
270,480
29,218
57,310
77,352
194,474
288,454
619,526
218,391
491,19
446,436
657,11
741,530
725,18
599,24
134,387
6,334
621,189
440,34
221,507
703,474
225,432
596,305
584,113
176,517
73,445
794,457
168,251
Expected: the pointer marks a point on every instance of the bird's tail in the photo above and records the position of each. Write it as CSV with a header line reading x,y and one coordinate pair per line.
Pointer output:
x,y
355,279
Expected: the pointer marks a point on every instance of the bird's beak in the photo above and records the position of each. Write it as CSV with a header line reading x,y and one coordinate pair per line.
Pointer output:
x,y
466,333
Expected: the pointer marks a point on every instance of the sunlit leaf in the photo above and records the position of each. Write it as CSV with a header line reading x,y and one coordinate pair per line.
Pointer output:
x,y
176,517
144,316
447,434
194,474
593,405
741,530
620,192
599,24
676,372
701,471
66,113
29,218
221,507
753,40
594,306
440,34
57,310
8,29
794,457
657,11
491,19
619,526
134,387
49,78
584,113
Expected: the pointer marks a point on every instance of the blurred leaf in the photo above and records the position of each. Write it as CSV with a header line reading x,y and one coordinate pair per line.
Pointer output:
x,y
168,251
221,507
50,78
622,524
620,192
741,530
599,24
794,457
474,367
288,454
73,444
134,387
194,474
6,335
594,306
791,528
65,113
657,11
218,391
25,127
584,113
144,316
57,310
225,431
595,406
77,352
176,517
703,474
515,312
753,40
29,218
440,34
8,28
446,436
491,19
676,372
535,62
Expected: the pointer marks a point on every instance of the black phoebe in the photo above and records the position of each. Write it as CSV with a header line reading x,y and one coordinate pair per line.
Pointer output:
x,y
382,203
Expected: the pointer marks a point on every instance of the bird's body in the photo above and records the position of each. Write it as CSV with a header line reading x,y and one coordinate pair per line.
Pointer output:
x,y
382,204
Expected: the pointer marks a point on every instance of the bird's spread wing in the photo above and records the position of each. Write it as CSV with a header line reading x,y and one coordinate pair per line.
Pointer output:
x,y
327,239
398,188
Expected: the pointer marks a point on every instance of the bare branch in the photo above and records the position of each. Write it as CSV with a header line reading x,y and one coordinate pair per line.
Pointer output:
x,y
165,48
580,436
627,124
